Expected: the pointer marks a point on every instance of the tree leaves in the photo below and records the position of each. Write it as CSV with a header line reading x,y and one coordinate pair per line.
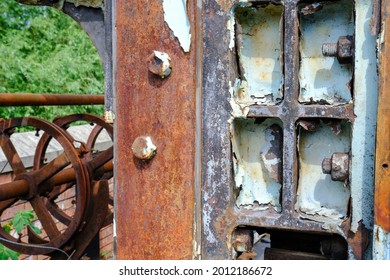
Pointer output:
x,y
6,254
23,219
42,50
20,221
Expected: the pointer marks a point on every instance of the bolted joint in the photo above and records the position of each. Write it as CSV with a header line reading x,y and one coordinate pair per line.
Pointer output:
x,y
143,148
343,50
337,166
159,63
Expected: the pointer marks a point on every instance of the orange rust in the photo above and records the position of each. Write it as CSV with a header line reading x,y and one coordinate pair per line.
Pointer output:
x,y
358,240
382,162
154,199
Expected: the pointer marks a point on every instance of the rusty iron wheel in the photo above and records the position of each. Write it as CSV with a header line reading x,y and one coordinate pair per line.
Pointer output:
x,y
92,159
33,187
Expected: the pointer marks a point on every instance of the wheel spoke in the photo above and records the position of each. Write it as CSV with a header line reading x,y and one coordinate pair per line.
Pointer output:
x,y
11,154
58,213
6,204
44,217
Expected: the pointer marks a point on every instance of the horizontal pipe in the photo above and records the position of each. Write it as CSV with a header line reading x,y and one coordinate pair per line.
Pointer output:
x,y
21,187
32,99
14,189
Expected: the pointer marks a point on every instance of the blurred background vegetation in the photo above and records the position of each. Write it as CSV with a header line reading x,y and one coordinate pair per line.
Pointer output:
x,y
43,50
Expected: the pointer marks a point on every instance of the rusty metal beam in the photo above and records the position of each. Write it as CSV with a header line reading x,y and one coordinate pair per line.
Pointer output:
x,y
382,163
30,99
154,200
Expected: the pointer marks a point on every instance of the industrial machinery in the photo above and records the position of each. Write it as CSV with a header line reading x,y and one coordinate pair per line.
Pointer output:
x,y
243,130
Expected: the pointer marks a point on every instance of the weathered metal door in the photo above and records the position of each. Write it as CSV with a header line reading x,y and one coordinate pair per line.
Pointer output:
x,y
245,129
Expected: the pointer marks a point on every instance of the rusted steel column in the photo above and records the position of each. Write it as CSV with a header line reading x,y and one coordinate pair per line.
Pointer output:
x,y
154,201
382,168
29,99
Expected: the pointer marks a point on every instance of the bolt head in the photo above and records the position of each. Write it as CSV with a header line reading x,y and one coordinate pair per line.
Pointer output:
x,y
345,49
143,148
327,166
243,240
159,63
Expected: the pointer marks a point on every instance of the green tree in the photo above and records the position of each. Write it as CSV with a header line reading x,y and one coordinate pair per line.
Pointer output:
x,y
42,50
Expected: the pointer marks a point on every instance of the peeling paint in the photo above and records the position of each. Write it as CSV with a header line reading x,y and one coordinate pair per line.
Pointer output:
x,y
175,15
364,127
323,79
253,168
381,244
109,117
259,51
317,193
238,110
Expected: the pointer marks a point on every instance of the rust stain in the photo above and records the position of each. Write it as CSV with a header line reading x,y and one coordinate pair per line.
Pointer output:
x,y
382,178
358,240
155,199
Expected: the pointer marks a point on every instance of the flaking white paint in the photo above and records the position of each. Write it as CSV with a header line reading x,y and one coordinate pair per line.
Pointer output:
x,y
324,79
317,194
258,189
175,15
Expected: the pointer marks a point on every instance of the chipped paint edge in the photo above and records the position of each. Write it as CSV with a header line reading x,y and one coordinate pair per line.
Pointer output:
x,y
175,15
364,126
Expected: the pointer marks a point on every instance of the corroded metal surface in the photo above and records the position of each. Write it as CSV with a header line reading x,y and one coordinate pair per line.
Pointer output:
x,y
154,207
35,179
72,170
382,165
223,109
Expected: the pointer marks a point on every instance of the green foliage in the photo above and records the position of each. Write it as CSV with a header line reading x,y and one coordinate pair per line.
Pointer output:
x,y
42,50
6,254
21,220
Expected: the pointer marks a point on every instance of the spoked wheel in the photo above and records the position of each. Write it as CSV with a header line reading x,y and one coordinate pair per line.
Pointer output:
x,y
38,186
98,163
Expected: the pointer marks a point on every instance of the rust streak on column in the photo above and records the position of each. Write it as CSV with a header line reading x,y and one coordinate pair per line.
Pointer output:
x,y
382,164
155,198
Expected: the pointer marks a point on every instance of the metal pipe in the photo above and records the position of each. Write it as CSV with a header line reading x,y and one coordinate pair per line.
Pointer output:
x,y
14,189
35,99
21,187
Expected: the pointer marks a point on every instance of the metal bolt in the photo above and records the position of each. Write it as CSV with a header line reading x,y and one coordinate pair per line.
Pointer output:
x,y
343,49
243,240
159,63
337,166
329,49
327,166
143,148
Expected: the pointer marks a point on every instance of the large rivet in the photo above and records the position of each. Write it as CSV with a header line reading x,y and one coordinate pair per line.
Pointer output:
x,y
159,63
143,148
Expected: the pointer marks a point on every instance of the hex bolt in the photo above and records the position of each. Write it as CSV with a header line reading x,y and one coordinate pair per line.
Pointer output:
x,y
329,49
243,240
337,166
327,166
342,50
143,148
159,63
